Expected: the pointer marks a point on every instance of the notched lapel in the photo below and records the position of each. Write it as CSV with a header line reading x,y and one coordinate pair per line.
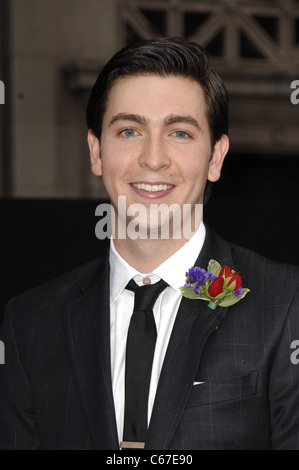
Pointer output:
x,y
194,323
87,323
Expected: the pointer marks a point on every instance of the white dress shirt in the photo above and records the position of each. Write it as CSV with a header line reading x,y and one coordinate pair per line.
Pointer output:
x,y
173,271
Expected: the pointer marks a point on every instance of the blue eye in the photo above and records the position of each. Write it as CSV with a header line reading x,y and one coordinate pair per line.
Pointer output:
x,y
181,134
129,132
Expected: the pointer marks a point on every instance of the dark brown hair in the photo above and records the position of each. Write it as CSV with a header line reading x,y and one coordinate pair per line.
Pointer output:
x,y
162,57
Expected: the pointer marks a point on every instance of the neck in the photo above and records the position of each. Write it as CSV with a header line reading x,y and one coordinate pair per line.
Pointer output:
x,y
146,255
154,246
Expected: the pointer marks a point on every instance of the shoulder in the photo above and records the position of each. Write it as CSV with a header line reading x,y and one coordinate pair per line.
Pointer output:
x,y
54,294
265,269
274,285
273,300
267,276
250,259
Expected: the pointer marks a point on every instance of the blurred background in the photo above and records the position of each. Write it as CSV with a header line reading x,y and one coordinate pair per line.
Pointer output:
x,y
50,55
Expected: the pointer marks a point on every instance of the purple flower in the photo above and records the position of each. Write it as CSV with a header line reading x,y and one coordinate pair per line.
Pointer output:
x,y
239,291
211,276
199,276
197,289
196,274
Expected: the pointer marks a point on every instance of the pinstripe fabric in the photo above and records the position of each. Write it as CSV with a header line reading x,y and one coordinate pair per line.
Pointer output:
x,y
55,386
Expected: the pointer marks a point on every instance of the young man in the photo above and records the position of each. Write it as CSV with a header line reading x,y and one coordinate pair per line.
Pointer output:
x,y
220,377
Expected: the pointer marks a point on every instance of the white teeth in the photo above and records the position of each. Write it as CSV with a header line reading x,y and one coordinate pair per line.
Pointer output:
x,y
152,187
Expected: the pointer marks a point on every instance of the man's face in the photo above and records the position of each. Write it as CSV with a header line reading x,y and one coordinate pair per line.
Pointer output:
x,y
155,144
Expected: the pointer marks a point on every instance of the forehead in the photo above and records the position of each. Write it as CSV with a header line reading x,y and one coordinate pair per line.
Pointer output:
x,y
154,94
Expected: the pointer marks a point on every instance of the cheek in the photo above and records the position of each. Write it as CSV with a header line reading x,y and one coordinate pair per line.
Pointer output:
x,y
115,155
110,158
110,170
197,168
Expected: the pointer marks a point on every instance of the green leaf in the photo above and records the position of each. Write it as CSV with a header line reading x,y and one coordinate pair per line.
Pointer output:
x,y
214,267
245,291
231,299
203,297
231,287
218,297
190,294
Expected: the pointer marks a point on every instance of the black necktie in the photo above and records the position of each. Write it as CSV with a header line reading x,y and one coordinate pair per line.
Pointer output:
x,y
141,341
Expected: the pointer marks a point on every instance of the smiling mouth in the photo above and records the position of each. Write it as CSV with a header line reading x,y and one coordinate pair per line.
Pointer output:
x,y
152,188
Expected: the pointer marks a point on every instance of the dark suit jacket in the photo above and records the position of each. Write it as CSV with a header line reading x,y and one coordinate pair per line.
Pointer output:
x,y
55,386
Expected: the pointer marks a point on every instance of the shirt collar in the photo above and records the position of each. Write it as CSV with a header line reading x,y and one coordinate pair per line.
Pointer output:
x,y
173,270
120,273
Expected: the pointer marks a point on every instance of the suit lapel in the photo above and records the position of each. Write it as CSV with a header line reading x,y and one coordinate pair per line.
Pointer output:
x,y
194,323
87,323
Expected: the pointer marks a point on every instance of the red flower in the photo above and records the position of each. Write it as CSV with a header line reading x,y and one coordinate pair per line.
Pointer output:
x,y
226,270
235,277
216,287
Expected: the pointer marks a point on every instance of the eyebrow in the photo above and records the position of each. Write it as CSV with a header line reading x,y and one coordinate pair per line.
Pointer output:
x,y
174,118
128,117
168,120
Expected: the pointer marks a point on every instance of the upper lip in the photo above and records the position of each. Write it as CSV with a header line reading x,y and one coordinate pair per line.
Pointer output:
x,y
153,183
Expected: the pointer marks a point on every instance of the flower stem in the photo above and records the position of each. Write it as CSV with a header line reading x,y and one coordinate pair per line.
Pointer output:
x,y
212,305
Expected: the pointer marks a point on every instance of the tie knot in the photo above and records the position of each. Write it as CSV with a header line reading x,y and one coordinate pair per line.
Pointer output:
x,y
146,296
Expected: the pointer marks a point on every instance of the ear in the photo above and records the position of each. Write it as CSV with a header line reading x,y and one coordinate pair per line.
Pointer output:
x,y
95,153
219,151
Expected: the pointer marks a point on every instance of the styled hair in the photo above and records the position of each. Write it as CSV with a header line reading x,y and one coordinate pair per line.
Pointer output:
x,y
162,57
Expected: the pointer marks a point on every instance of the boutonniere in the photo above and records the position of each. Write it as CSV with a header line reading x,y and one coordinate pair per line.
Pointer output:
x,y
218,285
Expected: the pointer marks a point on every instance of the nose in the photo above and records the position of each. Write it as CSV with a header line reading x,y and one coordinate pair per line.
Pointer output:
x,y
154,154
